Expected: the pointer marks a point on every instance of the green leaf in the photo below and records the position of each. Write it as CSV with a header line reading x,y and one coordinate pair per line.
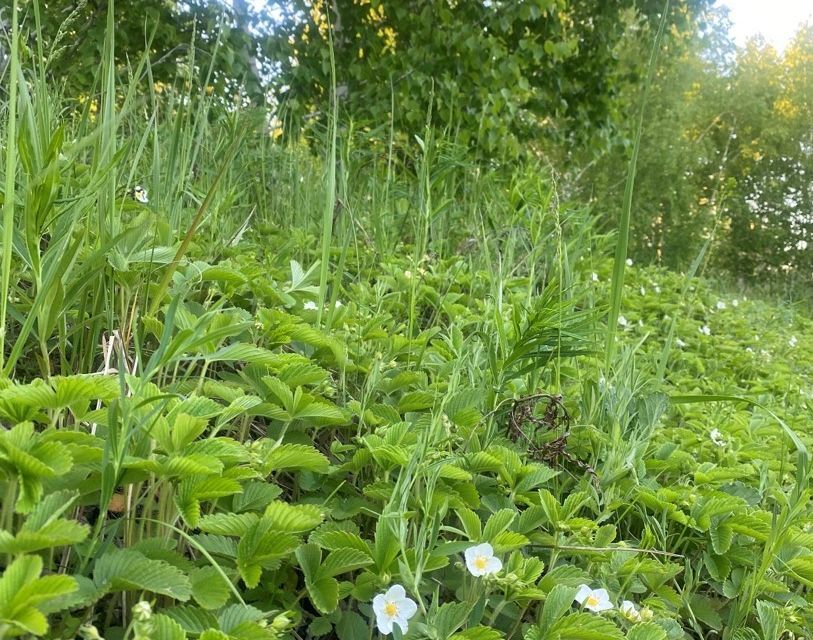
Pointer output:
x,y
165,628
558,602
342,561
126,570
721,537
583,626
237,614
471,523
208,588
228,524
449,618
295,456
339,539
497,523
293,518
309,557
351,626
22,590
646,631
324,593
704,611
261,547
56,533
192,619
478,633
769,620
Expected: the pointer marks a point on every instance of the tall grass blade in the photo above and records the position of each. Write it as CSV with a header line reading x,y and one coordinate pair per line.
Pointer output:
x,y
11,171
622,241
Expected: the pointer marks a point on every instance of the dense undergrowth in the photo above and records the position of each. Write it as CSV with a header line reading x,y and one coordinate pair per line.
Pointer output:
x,y
219,421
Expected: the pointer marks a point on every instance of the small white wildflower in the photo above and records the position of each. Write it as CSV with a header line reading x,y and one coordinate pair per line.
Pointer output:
x,y
735,303
408,274
792,342
594,276
480,560
622,321
629,262
720,305
657,289
140,194
630,611
643,291
717,437
393,607
705,330
680,343
595,600
339,304
749,350
310,305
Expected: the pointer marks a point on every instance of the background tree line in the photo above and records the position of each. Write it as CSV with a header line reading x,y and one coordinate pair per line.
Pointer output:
x,y
727,152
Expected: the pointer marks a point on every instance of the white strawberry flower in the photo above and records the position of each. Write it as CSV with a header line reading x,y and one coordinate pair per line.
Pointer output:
x,y
705,330
622,321
717,437
630,611
720,305
629,262
480,560
310,305
595,600
393,607
792,342
594,276
140,194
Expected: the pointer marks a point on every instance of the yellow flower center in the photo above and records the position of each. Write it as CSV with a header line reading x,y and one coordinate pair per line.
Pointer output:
x,y
391,609
592,601
481,562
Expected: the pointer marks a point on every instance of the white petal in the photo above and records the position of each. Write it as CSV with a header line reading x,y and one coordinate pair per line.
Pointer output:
x,y
602,595
379,602
484,549
384,623
406,608
402,622
493,565
395,592
582,594
470,554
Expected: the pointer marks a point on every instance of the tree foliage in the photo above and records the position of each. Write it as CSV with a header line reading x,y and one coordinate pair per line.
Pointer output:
x,y
500,74
726,157
73,36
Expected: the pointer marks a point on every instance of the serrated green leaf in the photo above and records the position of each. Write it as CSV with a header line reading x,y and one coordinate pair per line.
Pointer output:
x,y
295,456
126,570
343,561
208,588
